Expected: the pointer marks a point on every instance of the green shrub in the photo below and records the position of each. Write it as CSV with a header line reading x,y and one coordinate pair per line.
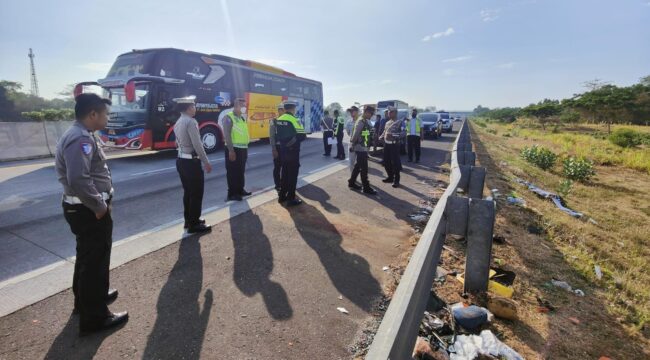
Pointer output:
x,y
480,123
541,157
492,131
565,187
579,169
626,138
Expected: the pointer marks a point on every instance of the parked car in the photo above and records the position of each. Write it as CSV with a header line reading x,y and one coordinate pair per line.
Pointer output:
x,y
447,125
431,125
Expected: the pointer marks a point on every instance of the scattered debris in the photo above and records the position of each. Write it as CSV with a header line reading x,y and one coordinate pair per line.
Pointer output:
x,y
495,193
591,220
557,200
545,304
385,268
418,218
534,229
469,347
599,272
422,348
470,317
227,257
340,297
516,201
503,308
574,320
579,292
499,239
564,285
342,310
460,191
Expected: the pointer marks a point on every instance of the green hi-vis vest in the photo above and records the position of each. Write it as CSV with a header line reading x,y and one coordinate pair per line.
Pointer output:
x,y
239,133
365,132
288,130
418,125
339,124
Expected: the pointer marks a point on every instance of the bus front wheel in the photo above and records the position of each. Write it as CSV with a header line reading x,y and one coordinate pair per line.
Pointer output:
x,y
211,139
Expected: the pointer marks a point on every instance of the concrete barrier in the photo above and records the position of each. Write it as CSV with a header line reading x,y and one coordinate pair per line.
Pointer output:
x,y
29,140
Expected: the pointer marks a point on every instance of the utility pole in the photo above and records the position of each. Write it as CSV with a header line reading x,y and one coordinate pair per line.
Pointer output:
x,y
34,88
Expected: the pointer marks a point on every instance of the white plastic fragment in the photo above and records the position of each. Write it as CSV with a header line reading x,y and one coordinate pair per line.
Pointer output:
x,y
342,310
468,347
599,272
385,268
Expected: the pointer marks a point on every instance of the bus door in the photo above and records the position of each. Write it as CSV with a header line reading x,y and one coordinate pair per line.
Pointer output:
x,y
307,116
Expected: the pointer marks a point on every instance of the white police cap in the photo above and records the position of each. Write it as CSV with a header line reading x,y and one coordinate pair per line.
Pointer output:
x,y
280,106
290,104
185,100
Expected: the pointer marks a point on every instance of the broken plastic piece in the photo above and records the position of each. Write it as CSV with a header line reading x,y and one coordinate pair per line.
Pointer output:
x,y
342,310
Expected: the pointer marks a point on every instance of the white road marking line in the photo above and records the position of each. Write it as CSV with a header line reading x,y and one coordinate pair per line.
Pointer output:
x,y
174,167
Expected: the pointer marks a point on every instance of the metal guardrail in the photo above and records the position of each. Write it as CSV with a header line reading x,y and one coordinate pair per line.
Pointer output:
x,y
470,217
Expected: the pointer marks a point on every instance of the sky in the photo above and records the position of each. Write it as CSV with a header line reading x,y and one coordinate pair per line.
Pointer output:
x,y
451,54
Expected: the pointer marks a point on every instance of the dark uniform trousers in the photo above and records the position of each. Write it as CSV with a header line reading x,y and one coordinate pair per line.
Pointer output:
x,y
361,167
192,178
392,161
91,269
326,135
290,159
340,150
235,171
413,143
277,168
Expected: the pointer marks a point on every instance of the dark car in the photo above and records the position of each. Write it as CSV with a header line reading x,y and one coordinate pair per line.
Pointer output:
x,y
431,126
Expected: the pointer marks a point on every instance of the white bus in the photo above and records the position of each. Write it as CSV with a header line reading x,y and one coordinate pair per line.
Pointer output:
x,y
397,104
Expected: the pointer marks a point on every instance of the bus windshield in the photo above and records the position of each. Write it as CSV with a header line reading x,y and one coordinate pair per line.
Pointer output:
x,y
385,104
118,98
130,65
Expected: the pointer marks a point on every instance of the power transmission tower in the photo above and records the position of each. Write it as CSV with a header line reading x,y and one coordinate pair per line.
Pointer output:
x,y
34,89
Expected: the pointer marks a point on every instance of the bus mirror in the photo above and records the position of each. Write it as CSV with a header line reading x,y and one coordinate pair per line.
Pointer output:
x,y
78,90
129,91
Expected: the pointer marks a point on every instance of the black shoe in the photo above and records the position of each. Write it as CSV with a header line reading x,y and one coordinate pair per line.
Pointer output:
x,y
234,198
409,160
294,202
396,185
246,193
199,229
354,186
281,199
111,296
388,180
201,221
369,190
113,320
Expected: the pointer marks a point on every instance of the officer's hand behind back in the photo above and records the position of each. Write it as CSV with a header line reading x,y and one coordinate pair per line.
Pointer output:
x,y
101,214
232,156
208,168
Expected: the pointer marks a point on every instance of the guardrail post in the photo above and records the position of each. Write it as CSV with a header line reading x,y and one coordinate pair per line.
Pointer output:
x,y
469,158
480,227
456,213
476,182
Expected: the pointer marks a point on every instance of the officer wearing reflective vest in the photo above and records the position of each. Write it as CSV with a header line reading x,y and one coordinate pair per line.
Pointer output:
x,y
191,155
275,148
289,133
339,126
359,144
414,136
236,137
87,193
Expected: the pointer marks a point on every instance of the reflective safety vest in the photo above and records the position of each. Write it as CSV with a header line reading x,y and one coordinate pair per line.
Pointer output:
x,y
418,126
339,124
289,130
239,133
365,132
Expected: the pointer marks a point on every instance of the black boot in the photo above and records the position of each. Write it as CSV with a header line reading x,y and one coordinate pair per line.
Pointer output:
x,y
368,190
388,180
353,185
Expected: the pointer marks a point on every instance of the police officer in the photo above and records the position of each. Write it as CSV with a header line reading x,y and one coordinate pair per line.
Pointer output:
x,y
414,136
290,133
191,155
327,123
339,125
87,193
359,144
391,138
275,148
236,137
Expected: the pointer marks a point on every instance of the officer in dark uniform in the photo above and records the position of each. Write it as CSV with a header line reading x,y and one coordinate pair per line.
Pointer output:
x,y
391,139
275,148
339,126
87,193
191,155
290,133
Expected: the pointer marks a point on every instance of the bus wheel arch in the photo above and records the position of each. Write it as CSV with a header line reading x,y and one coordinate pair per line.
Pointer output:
x,y
212,138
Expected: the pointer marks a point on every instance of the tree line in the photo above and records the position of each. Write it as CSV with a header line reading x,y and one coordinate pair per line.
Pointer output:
x,y
601,103
16,105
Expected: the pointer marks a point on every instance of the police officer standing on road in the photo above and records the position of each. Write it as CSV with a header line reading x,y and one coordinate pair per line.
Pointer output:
x,y
414,136
275,148
191,155
236,137
359,144
87,193
327,123
391,138
339,125
290,133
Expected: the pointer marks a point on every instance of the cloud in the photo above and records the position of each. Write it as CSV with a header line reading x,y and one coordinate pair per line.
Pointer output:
x,y
98,67
490,15
508,65
438,35
449,72
371,83
386,82
457,59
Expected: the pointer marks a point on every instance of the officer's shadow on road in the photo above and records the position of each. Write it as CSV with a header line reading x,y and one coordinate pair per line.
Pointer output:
x,y
253,265
68,344
181,322
315,193
349,273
